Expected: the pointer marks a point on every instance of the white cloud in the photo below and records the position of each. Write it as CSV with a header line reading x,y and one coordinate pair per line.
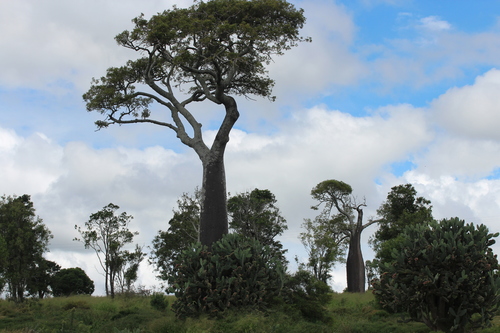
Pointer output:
x,y
56,43
321,144
324,63
29,165
472,110
434,23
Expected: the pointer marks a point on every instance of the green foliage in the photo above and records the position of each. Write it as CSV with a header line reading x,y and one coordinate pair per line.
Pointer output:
x,y
159,301
401,208
309,295
107,233
184,229
351,313
325,243
23,240
128,264
71,281
445,274
229,41
255,215
328,189
42,277
237,272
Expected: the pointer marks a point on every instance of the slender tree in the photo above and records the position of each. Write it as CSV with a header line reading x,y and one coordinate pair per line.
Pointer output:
x,y
106,233
325,242
402,208
129,268
23,240
337,196
256,215
184,229
210,51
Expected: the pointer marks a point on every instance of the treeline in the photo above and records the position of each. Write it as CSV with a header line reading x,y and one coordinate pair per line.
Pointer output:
x,y
24,271
24,239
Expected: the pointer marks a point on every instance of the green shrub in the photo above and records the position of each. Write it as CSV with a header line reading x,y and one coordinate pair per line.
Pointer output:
x,y
308,295
444,275
159,301
237,272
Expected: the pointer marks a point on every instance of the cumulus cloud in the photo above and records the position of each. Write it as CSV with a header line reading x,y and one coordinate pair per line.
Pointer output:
x,y
319,144
313,145
325,63
57,43
471,110
29,165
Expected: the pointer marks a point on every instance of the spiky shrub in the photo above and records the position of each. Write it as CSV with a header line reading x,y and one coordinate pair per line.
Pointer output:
x,y
236,272
442,274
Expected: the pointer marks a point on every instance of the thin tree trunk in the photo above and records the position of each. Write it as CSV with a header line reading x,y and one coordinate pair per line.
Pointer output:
x,y
112,284
213,219
355,265
106,283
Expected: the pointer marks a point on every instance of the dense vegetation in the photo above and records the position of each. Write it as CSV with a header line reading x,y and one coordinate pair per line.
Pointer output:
x,y
444,275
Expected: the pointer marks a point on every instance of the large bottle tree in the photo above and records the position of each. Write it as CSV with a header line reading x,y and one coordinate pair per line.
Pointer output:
x,y
336,196
211,51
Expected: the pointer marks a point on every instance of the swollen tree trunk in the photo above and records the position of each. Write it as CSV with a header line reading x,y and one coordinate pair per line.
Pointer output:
x,y
213,218
355,266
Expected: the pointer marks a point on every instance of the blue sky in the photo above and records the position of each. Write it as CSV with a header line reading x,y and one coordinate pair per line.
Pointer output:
x,y
389,92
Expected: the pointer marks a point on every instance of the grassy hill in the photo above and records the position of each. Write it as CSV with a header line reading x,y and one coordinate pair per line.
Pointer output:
x,y
126,314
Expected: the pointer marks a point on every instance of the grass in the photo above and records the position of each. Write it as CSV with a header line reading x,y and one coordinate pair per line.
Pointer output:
x,y
350,313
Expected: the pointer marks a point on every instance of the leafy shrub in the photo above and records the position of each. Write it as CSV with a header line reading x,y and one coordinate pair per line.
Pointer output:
x,y
159,301
443,275
309,295
237,272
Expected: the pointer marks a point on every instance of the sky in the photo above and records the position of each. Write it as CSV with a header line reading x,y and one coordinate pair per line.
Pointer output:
x,y
389,92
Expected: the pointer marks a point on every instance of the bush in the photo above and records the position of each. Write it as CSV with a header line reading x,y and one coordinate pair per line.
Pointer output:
x,y
159,301
443,275
71,281
308,295
237,272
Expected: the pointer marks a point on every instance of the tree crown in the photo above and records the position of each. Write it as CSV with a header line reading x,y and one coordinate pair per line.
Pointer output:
x,y
216,48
